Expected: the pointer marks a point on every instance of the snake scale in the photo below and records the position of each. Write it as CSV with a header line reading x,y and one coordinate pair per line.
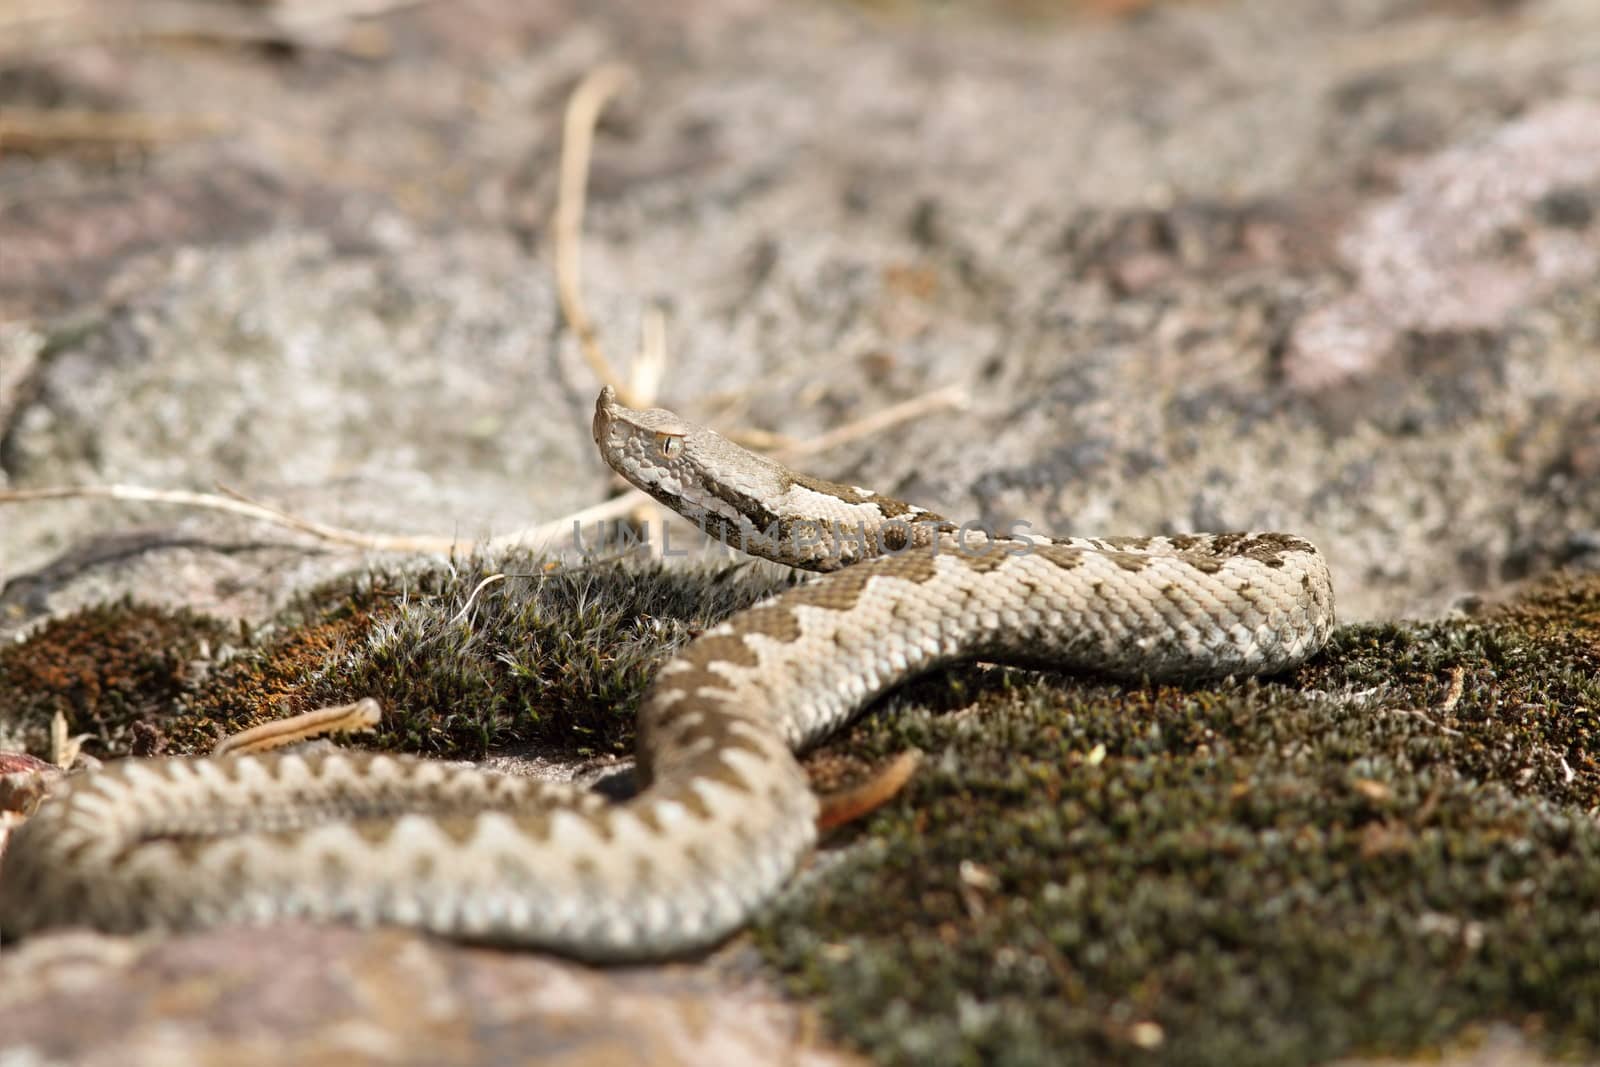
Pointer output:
x,y
724,815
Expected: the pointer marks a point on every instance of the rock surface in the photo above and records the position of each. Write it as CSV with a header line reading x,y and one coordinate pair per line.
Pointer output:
x,y
314,995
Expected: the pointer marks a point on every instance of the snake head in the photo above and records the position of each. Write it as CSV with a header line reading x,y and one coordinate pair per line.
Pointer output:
x,y
687,467
645,446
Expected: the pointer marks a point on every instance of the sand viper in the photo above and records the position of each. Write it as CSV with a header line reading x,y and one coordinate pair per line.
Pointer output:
x,y
724,815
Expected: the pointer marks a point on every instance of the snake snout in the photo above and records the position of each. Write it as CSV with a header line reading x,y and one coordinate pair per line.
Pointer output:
x,y
602,413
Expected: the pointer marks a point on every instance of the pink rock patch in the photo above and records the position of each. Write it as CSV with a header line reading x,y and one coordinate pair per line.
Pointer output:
x,y
1460,246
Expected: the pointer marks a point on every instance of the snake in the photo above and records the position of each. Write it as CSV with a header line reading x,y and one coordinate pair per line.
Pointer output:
x,y
724,815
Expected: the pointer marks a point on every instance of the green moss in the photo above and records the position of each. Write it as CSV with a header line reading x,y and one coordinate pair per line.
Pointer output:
x,y
1360,858
558,659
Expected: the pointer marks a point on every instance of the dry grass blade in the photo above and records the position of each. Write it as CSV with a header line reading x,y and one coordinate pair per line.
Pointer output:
x,y
848,805
577,142
29,128
783,447
950,396
535,538
65,747
360,717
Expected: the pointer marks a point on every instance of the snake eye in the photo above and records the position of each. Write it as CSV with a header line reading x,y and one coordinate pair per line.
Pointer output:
x,y
670,445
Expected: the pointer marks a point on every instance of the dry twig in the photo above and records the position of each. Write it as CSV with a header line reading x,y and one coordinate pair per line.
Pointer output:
x,y
536,538
577,142
361,717
645,373
65,748
949,396
848,805
31,128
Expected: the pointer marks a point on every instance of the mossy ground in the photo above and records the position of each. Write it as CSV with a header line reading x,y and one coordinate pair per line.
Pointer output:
x,y
108,669
1372,855
555,658
1375,854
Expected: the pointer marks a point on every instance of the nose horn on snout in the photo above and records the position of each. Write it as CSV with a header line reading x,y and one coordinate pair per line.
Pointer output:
x,y
602,411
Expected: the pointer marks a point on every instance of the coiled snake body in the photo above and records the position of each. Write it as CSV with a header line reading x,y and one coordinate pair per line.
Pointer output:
x,y
725,814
